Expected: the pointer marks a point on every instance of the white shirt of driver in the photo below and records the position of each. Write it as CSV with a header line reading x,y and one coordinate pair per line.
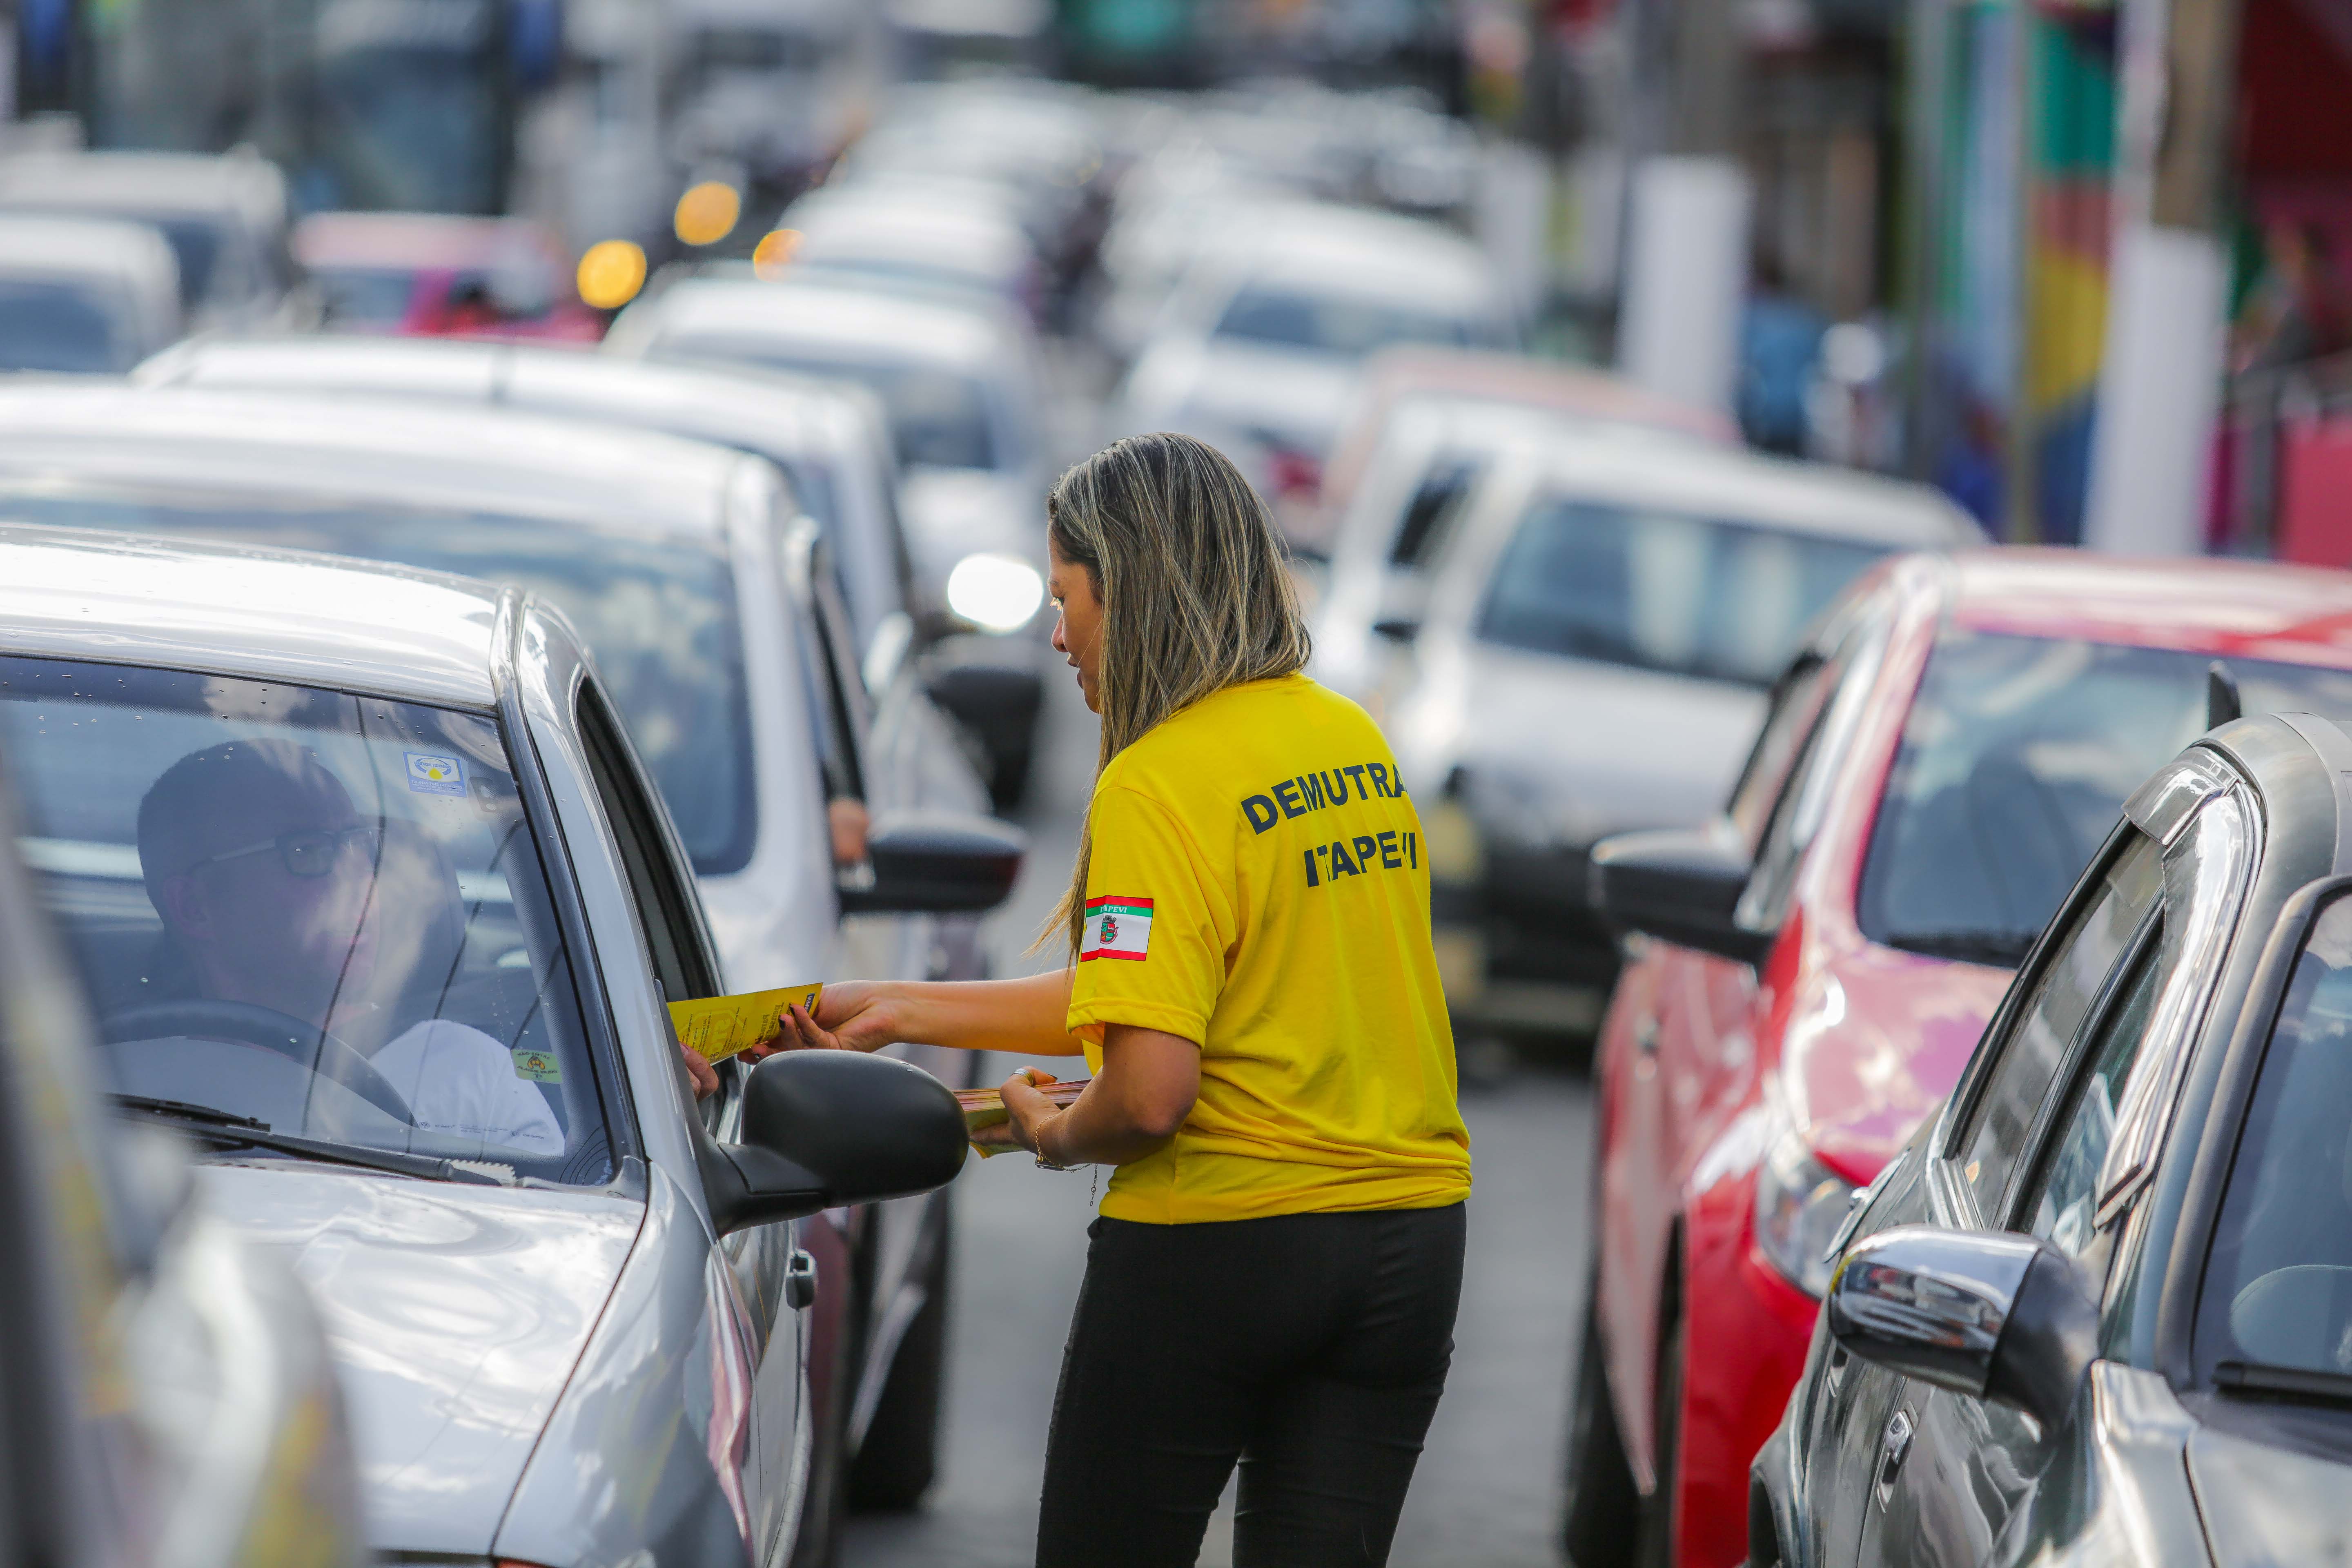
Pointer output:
x,y
454,1079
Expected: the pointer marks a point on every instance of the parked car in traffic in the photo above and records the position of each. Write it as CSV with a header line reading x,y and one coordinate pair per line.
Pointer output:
x,y
1603,620
379,907
708,605
1423,425
84,295
961,388
437,274
170,1395
1264,336
1936,766
224,216
950,236
2097,1308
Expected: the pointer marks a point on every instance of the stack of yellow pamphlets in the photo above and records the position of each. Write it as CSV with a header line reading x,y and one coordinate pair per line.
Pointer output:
x,y
719,1027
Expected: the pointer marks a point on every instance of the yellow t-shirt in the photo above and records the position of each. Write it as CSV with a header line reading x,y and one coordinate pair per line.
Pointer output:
x,y
1260,885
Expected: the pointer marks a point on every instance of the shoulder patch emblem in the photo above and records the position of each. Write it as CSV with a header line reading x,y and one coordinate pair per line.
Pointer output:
x,y
1117,927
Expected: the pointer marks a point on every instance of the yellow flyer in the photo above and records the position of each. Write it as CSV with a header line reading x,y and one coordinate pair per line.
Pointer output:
x,y
719,1027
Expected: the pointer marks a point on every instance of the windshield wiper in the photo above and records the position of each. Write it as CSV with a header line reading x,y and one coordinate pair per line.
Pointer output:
x,y
2258,1380
234,1131
2003,949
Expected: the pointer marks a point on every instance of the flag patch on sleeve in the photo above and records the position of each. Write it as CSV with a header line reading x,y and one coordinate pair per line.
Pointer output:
x,y
1115,928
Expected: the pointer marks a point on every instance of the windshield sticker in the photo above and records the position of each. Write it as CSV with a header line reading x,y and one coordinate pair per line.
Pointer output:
x,y
539,1066
432,774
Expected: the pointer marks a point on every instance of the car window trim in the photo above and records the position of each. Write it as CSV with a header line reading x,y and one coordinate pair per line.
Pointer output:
x,y
636,822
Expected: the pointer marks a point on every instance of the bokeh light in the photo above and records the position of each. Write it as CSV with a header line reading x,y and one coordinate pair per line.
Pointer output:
x,y
707,213
611,273
996,592
775,252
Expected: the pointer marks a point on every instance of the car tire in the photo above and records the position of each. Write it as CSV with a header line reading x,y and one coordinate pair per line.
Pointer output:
x,y
1654,1539
895,1463
1599,1524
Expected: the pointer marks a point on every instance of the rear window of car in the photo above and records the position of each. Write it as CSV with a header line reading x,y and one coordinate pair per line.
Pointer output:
x,y
938,418
2017,756
1659,590
57,327
1337,324
658,615
322,912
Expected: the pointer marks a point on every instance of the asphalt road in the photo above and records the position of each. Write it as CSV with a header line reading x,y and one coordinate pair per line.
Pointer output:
x,y
1486,1495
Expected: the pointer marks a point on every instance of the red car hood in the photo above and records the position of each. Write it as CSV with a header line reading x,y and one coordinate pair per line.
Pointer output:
x,y
1875,1043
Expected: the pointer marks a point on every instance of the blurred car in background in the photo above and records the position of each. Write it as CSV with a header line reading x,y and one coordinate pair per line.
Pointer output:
x,y
961,389
437,274
2097,1308
1936,767
935,236
1425,423
170,1399
378,906
710,608
1602,624
86,296
224,216
1264,337
774,88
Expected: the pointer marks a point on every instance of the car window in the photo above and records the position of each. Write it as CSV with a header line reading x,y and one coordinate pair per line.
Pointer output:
x,y
665,901
659,614
1437,500
2062,1204
2278,1284
325,912
2058,998
60,327
1659,590
938,418
1796,703
2017,756
837,705
1847,678
1336,324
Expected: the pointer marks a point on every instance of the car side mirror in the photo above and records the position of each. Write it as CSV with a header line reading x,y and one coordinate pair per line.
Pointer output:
x,y
1397,628
1678,885
823,1129
2000,1316
937,862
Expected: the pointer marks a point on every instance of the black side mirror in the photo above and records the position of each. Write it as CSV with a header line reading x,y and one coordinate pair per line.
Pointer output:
x,y
937,862
998,708
1396,628
2004,1317
1677,885
822,1129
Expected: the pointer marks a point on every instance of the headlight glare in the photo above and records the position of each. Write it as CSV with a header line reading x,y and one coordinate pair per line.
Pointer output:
x,y
996,592
1800,1204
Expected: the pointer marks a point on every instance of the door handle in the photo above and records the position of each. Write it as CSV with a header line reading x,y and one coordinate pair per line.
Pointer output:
x,y
800,1281
1893,1449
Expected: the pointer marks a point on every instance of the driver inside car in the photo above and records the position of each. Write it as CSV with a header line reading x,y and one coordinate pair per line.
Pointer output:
x,y
267,880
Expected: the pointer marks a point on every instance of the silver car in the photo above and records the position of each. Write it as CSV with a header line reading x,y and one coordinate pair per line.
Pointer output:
x,y
378,905
2100,1309
170,1398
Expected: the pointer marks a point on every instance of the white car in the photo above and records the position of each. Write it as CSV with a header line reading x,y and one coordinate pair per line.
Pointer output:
x,y
1602,623
1263,337
84,295
951,237
225,217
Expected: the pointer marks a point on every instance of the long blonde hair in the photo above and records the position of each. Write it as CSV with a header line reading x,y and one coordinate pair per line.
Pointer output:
x,y
1195,589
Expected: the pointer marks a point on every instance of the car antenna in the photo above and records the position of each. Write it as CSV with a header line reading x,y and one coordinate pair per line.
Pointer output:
x,y
2222,704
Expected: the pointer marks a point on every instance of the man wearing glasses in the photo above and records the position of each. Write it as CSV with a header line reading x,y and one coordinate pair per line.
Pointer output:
x,y
275,893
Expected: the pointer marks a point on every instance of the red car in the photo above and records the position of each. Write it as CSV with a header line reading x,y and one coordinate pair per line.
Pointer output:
x,y
440,274
1934,771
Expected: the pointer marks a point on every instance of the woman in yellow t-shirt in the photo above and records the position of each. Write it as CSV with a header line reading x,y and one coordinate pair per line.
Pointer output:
x,y
1274,1277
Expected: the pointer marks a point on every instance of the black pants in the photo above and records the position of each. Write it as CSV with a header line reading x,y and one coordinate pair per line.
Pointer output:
x,y
1311,1348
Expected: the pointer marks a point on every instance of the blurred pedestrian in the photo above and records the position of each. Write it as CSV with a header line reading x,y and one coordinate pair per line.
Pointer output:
x,y
1273,1278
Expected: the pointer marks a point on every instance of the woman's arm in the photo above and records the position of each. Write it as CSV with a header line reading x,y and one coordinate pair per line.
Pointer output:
x,y
1149,1082
1023,1015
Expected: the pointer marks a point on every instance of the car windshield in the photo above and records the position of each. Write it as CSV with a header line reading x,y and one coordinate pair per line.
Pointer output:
x,y
659,615
365,296
1338,324
2017,756
938,418
324,912
56,326
1659,590
2278,1282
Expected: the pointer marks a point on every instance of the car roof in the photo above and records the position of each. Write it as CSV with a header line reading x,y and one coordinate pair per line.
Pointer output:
x,y
45,246
243,610
187,182
417,240
407,452
1351,250
729,405
1737,484
1408,371
2251,609
854,323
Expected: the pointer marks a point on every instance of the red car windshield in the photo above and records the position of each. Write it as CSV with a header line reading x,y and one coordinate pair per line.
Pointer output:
x,y
2017,757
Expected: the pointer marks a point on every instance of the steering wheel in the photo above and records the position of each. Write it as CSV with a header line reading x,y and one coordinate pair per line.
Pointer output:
x,y
323,1053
